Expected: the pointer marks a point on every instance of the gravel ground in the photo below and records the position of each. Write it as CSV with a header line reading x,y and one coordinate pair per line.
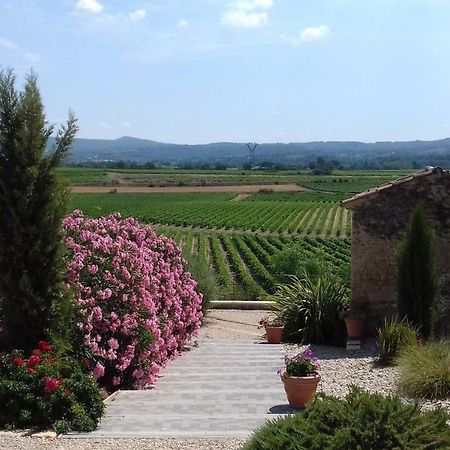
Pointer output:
x,y
28,443
232,325
340,369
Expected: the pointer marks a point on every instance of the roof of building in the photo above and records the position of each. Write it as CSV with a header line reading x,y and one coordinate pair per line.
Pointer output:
x,y
406,179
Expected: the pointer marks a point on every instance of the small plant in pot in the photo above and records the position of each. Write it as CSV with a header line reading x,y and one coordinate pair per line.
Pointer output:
x,y
274,327
354,321
300,378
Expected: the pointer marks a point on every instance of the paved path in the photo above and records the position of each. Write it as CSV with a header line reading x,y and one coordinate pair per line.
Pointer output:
x,y
221,388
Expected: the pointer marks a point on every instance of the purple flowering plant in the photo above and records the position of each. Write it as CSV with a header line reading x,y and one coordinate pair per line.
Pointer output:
x,y
301,365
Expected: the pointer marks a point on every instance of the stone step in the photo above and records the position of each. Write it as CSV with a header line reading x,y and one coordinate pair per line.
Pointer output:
x,y
176,426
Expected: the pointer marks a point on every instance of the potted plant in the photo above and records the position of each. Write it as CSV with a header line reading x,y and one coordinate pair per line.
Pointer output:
x,y
300,378
354,322
274,327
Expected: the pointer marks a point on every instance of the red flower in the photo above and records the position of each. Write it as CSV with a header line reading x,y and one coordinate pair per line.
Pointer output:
x,y
51,385
85,362
30,370
18,362
33,360
44,346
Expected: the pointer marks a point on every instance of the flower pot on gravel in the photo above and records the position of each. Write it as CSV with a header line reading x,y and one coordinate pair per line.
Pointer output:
x,y
300,390
355,328
274,334
274,327
300,378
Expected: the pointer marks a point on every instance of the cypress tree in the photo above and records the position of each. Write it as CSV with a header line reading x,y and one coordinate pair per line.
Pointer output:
x,y
32,205
417,280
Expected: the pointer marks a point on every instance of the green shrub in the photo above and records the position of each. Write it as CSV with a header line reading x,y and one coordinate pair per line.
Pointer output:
x,y
417,280
360,421
47,391
392,337
311,309
294,260
33,204
206,279
425,371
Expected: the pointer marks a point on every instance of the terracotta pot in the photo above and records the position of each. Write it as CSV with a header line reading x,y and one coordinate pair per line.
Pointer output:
x,y
355,328
274,334
300,390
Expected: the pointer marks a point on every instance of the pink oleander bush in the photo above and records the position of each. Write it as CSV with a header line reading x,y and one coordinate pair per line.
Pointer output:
x,y
136,304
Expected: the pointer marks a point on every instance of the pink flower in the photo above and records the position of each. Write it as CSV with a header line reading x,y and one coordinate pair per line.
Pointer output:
x,y
98,371
141,308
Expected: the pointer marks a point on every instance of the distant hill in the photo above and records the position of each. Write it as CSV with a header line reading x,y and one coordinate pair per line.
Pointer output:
x,y
387,155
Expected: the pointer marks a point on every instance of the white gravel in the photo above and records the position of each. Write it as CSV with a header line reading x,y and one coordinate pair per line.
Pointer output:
x,y
28,443
340,369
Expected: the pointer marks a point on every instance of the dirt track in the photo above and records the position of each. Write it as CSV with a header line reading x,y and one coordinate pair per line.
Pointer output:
x,y
250,188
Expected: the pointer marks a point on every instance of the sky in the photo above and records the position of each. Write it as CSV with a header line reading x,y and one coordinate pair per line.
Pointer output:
x,y
199,71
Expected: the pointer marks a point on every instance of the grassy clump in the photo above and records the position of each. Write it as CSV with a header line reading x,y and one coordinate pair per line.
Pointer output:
x,y
425,371
311,308
360,421
393,336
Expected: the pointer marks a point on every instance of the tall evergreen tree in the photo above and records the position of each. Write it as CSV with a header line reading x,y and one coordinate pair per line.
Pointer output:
x,y
32,205
417,280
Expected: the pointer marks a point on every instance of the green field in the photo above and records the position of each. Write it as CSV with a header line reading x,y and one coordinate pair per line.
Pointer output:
x,y
238,235
343,182
323,218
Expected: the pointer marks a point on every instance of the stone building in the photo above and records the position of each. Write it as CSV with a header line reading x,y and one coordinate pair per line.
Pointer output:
x,y
380,218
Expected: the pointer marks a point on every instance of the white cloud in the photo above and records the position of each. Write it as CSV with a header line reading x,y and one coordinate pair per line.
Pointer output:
x,y
251,5
125,124
319,33
247,13
244,19
92,6
182,24
139,14
310,34
9,45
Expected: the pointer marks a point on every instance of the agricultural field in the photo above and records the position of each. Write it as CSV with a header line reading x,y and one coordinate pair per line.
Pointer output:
x,y
343,182
237,234
324,218
242,263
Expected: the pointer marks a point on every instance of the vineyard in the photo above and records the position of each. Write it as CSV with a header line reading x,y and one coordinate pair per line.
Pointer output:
x,y
323,218
242,263
239,234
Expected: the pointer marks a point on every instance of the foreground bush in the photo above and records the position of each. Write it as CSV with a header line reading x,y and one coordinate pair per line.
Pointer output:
x,y
137,305
311,309
44,391
32,208
425,371
360,421
393,336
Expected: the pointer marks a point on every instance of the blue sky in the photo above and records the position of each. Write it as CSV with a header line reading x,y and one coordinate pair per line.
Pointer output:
x,y
195,71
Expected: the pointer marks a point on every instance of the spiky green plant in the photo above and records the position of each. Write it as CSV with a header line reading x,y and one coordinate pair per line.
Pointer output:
x,y
311,309
393,336
425,371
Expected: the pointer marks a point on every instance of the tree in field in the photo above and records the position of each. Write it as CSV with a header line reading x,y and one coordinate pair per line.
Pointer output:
x,y
417,280
32,205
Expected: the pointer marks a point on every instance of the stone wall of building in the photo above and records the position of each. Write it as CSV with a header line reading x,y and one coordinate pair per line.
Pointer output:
x,y
379,223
